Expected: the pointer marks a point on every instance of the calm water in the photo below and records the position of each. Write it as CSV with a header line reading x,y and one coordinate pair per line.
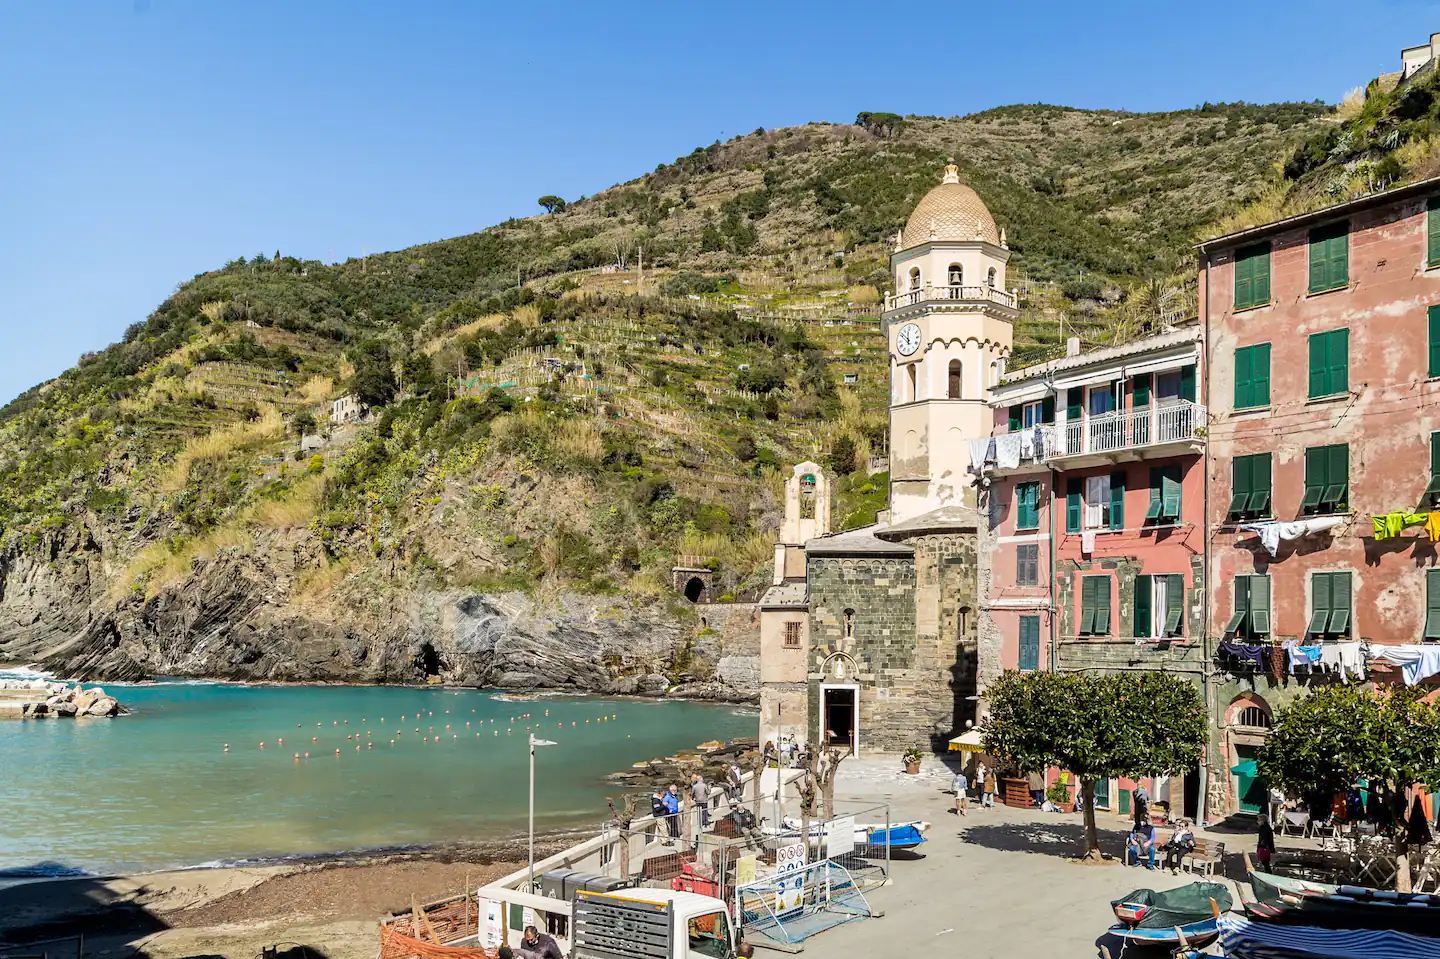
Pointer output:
x,y
156,789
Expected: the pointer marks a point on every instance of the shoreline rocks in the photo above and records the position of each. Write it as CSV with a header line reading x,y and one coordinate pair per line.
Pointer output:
x,y
40,699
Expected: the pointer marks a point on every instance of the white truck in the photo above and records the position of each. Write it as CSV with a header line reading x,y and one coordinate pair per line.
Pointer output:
x,y
651,924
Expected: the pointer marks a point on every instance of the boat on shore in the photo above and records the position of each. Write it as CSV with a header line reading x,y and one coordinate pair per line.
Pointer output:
x,y
899,835
1184,917
1283,900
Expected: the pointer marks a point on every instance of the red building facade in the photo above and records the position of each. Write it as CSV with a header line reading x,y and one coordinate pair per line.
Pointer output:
x,y
1322,334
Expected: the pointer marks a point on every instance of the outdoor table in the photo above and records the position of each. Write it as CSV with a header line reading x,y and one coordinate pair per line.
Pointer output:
x,y
1294,820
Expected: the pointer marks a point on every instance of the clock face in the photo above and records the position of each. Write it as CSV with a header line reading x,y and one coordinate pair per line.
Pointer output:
x,y
908,340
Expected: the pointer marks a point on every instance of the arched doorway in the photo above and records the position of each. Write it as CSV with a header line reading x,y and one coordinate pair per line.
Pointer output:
x,y
1247,724
956,376
694,589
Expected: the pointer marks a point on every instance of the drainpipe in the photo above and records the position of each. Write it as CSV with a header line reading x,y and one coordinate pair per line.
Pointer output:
x,y
1054,610
1205,671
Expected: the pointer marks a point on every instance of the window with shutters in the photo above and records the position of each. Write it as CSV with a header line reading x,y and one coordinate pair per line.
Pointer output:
x,y
1249,487
1029,643
1432,342
1159,606
1330,612
1094,605
1250,609
1431,497
1252,376
1027,564
1432,604
1252,276
792,635
1027,506
1097,502
1329,363
1327,480
1329,257
1432,232
1164,495
1024,416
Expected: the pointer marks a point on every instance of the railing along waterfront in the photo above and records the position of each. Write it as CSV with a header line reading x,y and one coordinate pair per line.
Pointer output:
x,y
987,294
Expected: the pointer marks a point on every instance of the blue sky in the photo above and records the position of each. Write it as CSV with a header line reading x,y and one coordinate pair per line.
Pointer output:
x,y
144,141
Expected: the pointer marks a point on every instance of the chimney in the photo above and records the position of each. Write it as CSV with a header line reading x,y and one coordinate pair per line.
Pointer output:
x,y
1072,346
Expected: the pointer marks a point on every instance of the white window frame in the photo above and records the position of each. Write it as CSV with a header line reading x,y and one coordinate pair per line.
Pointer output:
x,y
1030,415
1097,502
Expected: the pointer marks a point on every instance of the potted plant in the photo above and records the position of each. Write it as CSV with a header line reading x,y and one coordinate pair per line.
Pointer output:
x,y
911,759
1059,794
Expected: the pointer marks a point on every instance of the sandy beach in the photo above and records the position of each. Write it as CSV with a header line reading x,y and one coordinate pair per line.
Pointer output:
x,y
331,909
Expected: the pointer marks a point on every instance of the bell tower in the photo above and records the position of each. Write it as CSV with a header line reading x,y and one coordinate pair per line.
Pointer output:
x,y
950,328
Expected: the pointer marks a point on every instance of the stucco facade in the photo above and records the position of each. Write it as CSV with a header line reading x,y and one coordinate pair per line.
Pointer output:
x,y
1341,315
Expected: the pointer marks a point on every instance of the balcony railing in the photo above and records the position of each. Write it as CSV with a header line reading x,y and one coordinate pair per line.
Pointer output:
x,y
973,294
1134,429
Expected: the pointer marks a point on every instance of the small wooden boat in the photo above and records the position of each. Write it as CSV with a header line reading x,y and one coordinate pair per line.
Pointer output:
x,y
1286,901
902,835
1180,918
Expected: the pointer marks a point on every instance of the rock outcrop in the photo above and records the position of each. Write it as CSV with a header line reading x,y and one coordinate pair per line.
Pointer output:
x,y
39,698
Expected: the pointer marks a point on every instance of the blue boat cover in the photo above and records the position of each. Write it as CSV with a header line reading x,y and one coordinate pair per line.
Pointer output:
x,y
1244,939
896,836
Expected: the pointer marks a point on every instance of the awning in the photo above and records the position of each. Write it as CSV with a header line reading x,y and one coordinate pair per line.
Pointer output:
x,y
969,742
1246,768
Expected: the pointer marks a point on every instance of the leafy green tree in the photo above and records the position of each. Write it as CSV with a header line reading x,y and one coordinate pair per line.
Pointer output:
x,y
374,379
1321,745
1097,727
304,423
763,377
880,124
552,204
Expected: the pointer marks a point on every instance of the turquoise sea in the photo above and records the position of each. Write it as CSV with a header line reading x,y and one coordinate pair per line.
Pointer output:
x,y
157,789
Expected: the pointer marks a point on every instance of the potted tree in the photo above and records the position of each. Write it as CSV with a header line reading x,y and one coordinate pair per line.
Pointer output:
x,y
911,759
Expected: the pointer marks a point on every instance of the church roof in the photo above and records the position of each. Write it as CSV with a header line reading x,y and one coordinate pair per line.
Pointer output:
x,y
783,595
952,211
857,542
946,519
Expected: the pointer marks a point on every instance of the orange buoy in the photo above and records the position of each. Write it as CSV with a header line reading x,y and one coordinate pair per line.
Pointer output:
x,y
262,745
227,747
297,755
337,750
307,755
314,738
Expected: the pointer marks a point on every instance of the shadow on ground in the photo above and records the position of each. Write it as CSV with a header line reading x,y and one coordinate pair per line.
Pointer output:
x,y
1060,838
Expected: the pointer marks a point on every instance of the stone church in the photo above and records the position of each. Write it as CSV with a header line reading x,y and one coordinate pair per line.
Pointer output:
x,y
869,637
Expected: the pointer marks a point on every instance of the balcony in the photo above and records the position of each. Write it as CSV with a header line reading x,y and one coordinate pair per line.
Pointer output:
x,y
1175,427
944,294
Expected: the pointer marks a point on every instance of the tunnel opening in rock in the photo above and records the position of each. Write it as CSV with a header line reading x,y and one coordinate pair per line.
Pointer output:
x,y
429,660
694,589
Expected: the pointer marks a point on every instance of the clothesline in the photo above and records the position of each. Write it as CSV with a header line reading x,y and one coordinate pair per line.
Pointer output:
x,y
1417,661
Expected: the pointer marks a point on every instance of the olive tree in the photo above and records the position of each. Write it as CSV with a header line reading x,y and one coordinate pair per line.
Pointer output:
x,y
1097,727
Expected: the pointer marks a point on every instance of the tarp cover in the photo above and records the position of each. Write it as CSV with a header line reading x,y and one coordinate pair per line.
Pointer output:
x,y
1177,907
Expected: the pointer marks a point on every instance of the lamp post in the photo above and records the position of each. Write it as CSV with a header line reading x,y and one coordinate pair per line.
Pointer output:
x,y
533,743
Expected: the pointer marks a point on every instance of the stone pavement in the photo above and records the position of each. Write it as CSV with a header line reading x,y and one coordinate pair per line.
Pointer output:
x,y
997,883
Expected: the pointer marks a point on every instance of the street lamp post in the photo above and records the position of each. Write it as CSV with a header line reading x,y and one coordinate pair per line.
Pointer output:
x,y
533,743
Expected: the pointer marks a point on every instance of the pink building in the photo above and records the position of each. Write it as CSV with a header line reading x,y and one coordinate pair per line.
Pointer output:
x,y
1323,339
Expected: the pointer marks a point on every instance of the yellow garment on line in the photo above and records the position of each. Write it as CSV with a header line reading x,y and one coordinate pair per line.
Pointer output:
x,y
1391,524
1432,526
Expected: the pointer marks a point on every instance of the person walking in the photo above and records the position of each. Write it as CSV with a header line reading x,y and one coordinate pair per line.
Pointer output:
x,y
1035,782
1141,798
980,783
1265,844
991,786
735,782
700,793
962,799
671,800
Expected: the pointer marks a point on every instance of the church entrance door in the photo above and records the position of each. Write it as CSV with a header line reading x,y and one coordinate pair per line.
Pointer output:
x,y
839,717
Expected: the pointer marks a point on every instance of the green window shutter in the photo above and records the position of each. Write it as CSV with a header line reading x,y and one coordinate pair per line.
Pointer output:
x,y
1073,506
1156,502
1432,232
1319,602
1432,492
1260,374
1432,604
1241,473
1339,362
1433,367
1174,604
1117,500
1260,484
1016,417
1244,374
1260,275
1074,403
1239,605
1087,605
1027,506
1170,492
1143,588
1319,364
1340,603
1244,281
1260,605
1337,475
1047,409
1340,258
1319,270
1187,382
1029,642
1102,605
1315,466
1329,257
1140,391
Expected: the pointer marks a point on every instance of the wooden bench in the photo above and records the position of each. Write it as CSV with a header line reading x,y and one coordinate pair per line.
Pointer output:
x,y
1206,855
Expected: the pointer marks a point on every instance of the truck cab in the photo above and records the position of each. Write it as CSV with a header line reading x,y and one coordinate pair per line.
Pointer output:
x,y
652,924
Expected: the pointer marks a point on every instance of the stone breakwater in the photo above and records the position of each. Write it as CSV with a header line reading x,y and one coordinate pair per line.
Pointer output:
x,y
40,699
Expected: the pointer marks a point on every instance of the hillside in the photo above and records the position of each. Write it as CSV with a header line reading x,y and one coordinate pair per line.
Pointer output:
x,y
551,427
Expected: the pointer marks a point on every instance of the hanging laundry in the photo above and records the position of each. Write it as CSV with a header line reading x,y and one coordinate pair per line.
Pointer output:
x,y
1432,526
1304,657
1391,524
1039,442
1087,542
1345,659
1254,655
1272,533
980,454
1416,662
1006,451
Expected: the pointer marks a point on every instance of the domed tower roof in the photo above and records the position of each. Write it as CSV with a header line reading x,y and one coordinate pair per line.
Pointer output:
x,y
952,211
